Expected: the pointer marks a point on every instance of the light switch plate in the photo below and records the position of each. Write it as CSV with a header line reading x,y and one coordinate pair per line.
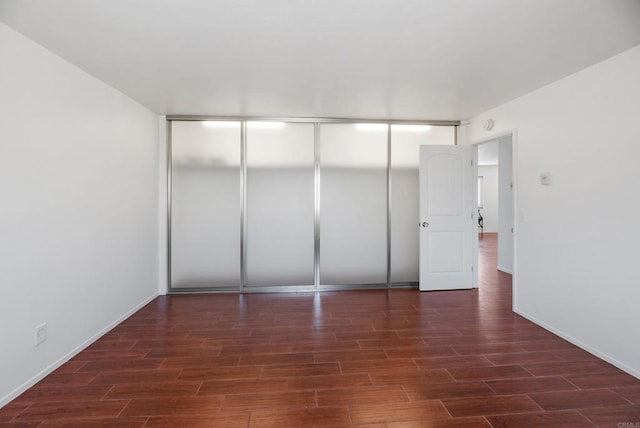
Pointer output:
x,y
545,179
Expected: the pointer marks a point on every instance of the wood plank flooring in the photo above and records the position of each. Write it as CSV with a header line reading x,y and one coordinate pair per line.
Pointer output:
x,y
380,358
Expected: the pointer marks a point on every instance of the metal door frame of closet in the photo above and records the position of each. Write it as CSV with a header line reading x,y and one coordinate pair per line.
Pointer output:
x,y
317,122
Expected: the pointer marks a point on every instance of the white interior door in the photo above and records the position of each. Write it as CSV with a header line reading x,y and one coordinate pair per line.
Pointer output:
x,y
446,217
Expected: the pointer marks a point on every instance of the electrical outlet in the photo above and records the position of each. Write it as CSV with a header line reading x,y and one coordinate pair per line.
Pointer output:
x,y
41,333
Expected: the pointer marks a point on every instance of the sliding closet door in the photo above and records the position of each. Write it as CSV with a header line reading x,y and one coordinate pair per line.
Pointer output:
x,y
280,204
205,205
353,204
405,158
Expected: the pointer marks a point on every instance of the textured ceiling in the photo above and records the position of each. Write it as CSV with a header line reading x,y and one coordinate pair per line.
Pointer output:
x,y
396,59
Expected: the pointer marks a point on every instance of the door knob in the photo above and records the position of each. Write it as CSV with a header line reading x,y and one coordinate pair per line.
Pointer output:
x,y
425,224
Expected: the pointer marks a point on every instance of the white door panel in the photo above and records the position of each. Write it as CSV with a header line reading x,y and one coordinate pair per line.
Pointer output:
x,y
446,217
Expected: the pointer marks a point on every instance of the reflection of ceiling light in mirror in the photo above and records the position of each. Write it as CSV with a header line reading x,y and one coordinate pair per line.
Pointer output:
x,y
411,128
265,125
371,126
250,124
220,124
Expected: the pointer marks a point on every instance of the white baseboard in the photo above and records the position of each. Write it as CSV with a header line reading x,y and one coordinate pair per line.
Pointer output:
x,y
501,269
578,343
48,370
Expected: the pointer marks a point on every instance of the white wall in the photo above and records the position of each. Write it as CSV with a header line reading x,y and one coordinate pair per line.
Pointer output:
x,y
78,220
577,239
490,197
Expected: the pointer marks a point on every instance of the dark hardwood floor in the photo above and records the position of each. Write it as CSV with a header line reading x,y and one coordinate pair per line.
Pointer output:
x,y
379,358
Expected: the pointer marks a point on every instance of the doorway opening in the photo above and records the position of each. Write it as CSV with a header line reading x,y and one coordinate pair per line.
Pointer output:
x,y
495,200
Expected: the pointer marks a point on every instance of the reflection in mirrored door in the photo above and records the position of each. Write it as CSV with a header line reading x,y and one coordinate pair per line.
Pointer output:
x,y
405,159
205,205
280,204
353,204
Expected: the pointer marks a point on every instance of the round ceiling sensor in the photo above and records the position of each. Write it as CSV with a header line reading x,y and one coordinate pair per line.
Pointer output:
x,y
488,124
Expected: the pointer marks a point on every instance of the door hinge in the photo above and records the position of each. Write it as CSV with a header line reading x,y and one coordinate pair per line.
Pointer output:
x,y
471,162
511,186
471,268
